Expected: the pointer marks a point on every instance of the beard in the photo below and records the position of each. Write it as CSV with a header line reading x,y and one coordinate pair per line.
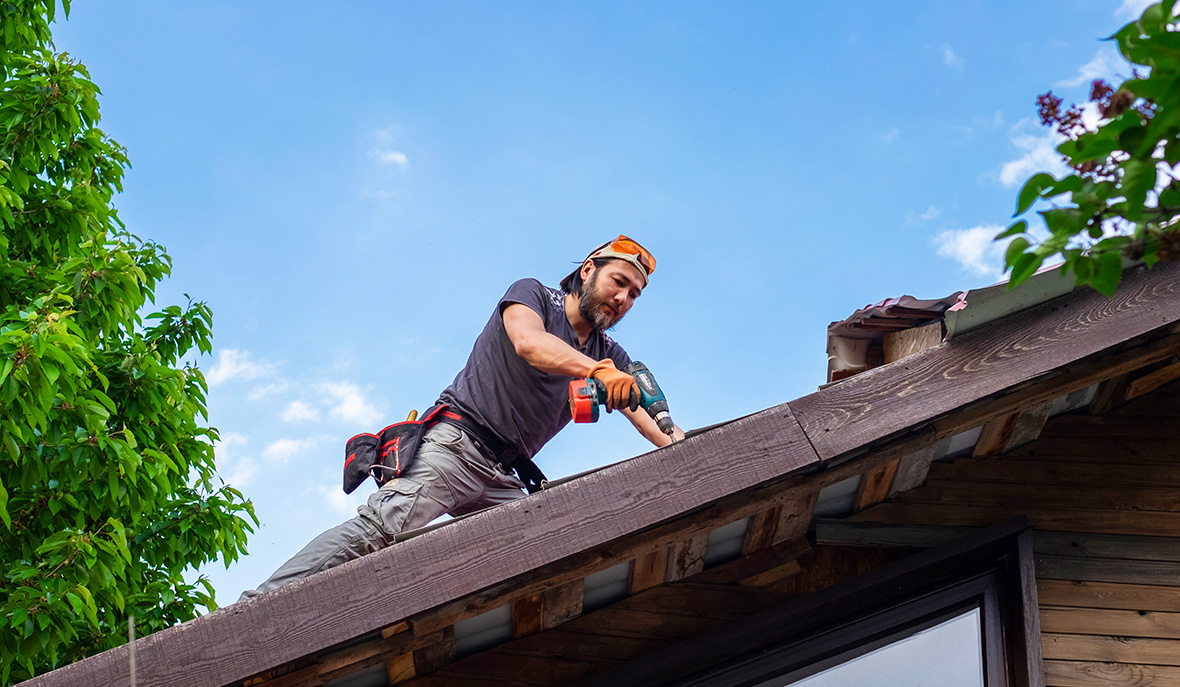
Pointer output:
x,y
594,308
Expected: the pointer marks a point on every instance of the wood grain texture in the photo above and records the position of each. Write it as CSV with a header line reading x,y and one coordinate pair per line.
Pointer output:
x,y
527,615
1153,380
1134,597
1029,425
647,571
1106,570
400,668
874,485
1090,621
434,656
1071,647
1060,519
795,516
904,343
461,559
760,532
1098,674
1141,498
1014,350
994,435
562,604
913,468
1056,472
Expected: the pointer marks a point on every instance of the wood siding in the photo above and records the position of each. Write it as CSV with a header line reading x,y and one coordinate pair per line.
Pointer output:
x,y
1104,494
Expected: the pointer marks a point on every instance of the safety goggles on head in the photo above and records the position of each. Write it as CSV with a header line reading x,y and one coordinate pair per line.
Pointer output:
x,y
628,249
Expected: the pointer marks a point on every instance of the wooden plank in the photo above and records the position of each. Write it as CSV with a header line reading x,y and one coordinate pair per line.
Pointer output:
x,y
561,604
1108,546
686,557
904,343
696,598
1135,597
1029,425
795,516
434,656
527,615
1078,496
1072,647
1110,394
1056,472
760,532
400,668
1032,344
332,665
1098,674
1061,519
874,485
838,532
648,570
755,563
1102,449
1106,570
995,434
913,468
470,557
1153,380
1090,621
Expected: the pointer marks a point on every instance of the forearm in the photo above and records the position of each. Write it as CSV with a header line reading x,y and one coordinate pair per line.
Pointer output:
x,y
648,428
548,353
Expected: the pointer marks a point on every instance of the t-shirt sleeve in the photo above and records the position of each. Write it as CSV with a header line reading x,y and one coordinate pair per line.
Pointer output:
x,y
616,353
528,292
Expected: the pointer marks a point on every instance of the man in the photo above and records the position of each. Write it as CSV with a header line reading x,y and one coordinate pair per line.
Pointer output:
x,y
510,398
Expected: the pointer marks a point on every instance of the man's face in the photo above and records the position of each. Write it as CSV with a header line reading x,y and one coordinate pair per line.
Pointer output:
x,y
608,292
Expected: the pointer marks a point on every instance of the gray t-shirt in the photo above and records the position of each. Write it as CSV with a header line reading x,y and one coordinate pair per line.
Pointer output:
x,y
498,389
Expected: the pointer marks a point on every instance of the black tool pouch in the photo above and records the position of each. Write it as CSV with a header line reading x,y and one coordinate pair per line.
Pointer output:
x,y
386,454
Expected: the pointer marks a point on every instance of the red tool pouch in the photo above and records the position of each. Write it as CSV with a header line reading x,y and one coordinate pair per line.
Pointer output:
x,y
386,454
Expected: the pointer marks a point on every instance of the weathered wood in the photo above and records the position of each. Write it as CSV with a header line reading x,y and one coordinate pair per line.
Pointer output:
x,y
395,629
1107,570
331,665
1061,519
1110,394
913,467
1101,449
904,343
795,516
760,531
1026,346
1153,380
874,485
648,570
1029,425
1073,647
837,532
434,656
561,604
1109,546
755,563
1097,674
994,435
527,615
1090,621
1135,597
686,557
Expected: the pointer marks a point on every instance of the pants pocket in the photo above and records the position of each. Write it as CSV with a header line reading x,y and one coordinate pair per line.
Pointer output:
x,y
390,505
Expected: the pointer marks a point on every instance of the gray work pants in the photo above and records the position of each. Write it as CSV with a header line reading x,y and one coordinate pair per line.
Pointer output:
x,y
449,475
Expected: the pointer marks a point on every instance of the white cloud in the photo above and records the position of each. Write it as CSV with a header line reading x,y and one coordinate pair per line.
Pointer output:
x,y
392,157
1133,9
235,364
242,473
975,249
334,500
950,59
931,213
1038,154
1104,65
271,389
890,135
350,404
283,450
237,471
297,411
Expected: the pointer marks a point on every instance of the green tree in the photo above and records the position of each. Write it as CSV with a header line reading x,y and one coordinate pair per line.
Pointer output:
x,y
1122,197
107,483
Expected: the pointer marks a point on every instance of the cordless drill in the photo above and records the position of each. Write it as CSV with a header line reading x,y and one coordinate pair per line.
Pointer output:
x,y
587,394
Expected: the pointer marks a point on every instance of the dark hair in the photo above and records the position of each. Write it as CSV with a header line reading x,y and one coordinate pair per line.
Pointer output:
x,y
573,281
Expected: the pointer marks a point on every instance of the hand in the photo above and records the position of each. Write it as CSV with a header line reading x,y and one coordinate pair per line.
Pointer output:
x,y
619,385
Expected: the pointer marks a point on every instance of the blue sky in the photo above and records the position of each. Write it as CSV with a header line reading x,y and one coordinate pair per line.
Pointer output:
x,y
351,186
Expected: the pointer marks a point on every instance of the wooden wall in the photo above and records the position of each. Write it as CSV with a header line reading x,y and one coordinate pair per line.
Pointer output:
x,y
1103,493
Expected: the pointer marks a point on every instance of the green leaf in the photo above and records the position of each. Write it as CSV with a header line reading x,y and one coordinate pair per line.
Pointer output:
x,y
1023,268
1108,273
1018,227
1031,191
1015,250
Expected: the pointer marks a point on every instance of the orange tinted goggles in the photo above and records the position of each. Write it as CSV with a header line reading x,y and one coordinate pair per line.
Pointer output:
x,y
628,246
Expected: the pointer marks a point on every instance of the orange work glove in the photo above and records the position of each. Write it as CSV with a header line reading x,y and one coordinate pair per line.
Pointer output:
x,y
619,385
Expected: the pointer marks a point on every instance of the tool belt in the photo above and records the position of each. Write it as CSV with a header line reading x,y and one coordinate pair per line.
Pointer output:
x,y
387,454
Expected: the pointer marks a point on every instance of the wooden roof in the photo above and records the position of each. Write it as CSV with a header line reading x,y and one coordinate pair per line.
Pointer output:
x,y
881,424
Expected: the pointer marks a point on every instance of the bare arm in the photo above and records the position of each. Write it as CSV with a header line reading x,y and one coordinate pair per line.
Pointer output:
x,y
647,427
539,348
